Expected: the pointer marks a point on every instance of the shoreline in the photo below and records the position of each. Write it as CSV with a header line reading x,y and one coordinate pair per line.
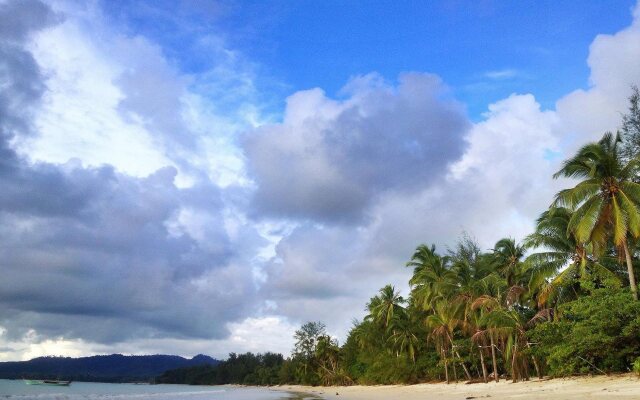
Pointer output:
x,y
623,386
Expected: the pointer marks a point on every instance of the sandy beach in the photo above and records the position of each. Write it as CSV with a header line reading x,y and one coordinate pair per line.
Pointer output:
x,y
600,387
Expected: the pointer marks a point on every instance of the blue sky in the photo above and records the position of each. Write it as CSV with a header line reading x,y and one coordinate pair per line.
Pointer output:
x,y
483,50
202,177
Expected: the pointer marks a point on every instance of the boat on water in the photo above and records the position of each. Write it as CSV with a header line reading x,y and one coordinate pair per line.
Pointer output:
x,y
48,382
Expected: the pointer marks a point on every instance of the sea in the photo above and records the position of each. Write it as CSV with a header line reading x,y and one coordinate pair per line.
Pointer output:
x,y
18,390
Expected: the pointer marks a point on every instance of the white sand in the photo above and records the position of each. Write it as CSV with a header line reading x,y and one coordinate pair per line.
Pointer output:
x,y
600,387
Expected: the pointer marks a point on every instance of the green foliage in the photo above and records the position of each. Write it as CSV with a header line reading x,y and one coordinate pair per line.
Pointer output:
x,y
636,366
386,370
599,332
248,369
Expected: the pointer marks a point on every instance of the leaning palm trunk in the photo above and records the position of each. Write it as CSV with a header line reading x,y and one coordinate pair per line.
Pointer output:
x,y
535,364
493,357
464,367
484,366
632,276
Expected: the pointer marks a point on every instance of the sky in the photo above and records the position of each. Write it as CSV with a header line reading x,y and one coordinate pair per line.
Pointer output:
x,y
187,177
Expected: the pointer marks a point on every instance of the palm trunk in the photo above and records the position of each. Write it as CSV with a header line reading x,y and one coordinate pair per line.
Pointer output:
x,y
446,372
514,364
446,366
464,367
632,276
455,372
535,364
525,369
493,359
484,366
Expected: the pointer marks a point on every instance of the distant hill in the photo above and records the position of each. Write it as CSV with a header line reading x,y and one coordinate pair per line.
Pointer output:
x,y
111,368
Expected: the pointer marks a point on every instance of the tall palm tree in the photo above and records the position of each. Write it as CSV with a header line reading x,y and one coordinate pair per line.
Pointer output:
x,y
403,337
606,200
432,278
475,329
387,305
510,325
560,249
442,324
470,267
329,369
487,303
367,335
508,258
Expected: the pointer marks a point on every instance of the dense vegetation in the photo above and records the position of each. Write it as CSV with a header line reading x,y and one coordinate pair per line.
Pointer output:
x,y
107,368
564,301
248,369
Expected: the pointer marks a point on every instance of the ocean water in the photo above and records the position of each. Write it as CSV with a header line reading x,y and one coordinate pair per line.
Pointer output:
x,y
18,390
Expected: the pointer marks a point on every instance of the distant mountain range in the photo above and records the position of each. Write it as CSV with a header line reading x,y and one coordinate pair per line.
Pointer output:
x,y
111,368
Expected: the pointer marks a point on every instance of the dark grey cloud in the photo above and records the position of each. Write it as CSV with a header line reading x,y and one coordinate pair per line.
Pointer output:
x,y
22,83
328,160
95,254
90,253
20,18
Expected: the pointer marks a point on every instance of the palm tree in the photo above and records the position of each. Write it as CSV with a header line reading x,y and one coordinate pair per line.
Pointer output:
x,y
487,303
510,325
442,324
367,334
508,258
329,370
470,267
474,327
605,201
403,337
386,306
560,249
432,278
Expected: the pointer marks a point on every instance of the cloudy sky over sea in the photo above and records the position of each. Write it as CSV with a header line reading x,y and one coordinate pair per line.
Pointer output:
x,y
192,177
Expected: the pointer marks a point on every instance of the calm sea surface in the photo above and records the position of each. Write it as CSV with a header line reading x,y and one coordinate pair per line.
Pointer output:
x,y
18,390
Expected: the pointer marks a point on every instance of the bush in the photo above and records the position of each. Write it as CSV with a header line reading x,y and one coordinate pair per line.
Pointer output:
x,y
387,369
636,366
595,333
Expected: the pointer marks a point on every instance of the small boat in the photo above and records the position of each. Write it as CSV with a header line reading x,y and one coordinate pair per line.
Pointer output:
x,y
48,382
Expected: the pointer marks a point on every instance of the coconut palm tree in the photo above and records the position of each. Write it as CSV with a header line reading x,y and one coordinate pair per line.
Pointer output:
x,y
432,278
367,335
470,267
510,326
560,249
403,337
486,303
605,201
441,325
329,370
508,260
475,329
387,305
